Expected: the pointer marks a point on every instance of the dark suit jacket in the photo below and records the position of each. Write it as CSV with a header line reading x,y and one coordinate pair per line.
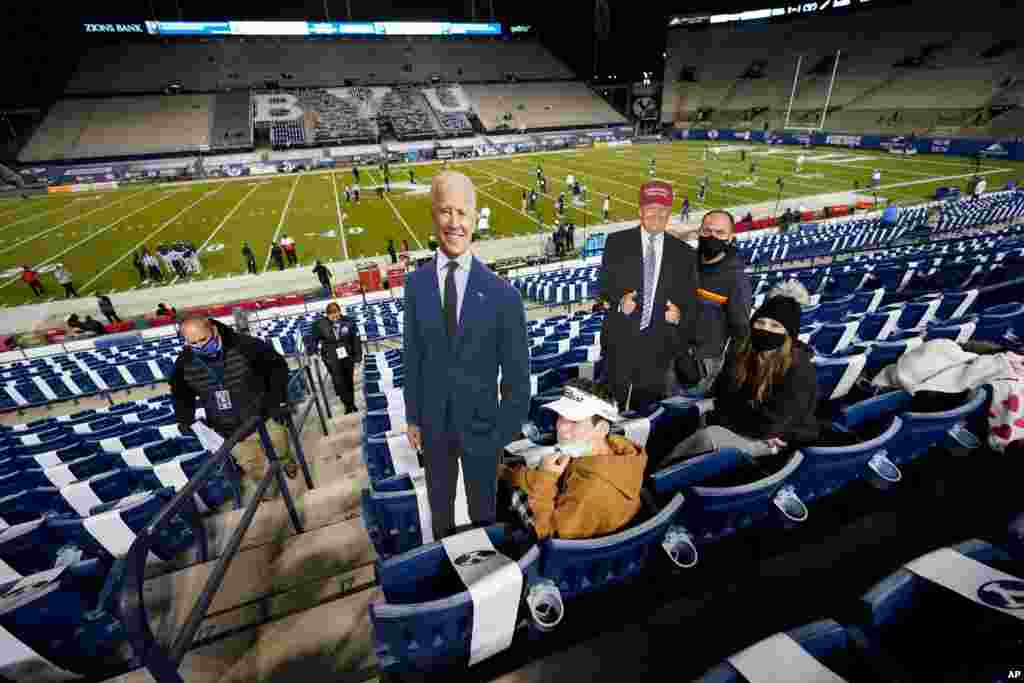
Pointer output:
x,y
643,359
464,376
324,337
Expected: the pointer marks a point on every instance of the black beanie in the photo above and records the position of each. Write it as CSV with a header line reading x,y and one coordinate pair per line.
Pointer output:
x,y
785,310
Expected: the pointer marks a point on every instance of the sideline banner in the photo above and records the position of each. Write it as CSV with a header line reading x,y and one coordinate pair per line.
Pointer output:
x,y
988,148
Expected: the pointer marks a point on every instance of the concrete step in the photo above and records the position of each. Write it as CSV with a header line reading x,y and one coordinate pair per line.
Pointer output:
x,y
334,639
290,600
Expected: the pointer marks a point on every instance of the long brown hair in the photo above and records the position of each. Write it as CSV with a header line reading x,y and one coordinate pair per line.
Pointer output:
x,y
762,370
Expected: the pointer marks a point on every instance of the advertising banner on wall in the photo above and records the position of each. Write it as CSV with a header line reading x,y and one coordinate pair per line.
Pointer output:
x,y
294,165
989,149
262,169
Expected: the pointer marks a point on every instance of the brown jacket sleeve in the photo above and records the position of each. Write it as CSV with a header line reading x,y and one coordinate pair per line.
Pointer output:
x,y
581,511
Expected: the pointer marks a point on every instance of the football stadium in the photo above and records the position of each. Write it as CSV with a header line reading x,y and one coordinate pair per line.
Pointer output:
x,y
371,342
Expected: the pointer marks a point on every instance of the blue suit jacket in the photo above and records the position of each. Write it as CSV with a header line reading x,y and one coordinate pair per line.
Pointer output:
x,y
464,375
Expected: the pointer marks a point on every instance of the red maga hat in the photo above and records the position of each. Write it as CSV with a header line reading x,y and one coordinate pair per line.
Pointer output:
x,y
655,192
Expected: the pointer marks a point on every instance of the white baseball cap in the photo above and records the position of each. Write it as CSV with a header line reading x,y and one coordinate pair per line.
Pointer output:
x,y
578,405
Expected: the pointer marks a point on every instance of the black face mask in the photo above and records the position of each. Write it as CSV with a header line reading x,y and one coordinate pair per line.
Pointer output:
x,y
763,340
711,247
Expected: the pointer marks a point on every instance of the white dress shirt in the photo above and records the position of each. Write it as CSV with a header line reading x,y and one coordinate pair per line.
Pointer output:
x,y
461,277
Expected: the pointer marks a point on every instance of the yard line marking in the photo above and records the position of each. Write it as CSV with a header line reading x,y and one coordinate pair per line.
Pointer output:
x,y
89,237
70,220
33,217
280,223
944,178
341,223
226,218
60,208
156,232
399,216
20,204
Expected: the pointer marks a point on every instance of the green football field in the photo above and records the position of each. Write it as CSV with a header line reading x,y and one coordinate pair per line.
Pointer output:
x,y
94,235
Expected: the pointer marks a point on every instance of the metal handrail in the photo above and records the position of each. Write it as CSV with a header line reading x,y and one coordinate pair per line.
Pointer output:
x,y
160,660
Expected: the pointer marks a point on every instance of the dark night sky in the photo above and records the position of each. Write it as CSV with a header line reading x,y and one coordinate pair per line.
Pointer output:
x,y
43,44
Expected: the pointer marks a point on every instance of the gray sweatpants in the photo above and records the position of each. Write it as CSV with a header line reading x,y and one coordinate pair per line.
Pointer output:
x,y
715,438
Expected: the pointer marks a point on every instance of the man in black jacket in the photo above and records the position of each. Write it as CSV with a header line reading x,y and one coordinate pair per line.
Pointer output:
x,y
337,338
107,309
234,377
724,293
650,281
277,254
250,258
324,275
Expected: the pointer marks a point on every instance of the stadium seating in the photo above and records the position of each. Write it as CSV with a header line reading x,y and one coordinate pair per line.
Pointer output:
x,y
67,620
122,126
232,121
821,651
948,613
540,105
238,65
408,112
923,77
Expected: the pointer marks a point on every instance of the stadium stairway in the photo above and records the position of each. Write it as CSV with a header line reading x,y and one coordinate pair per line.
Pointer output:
x,y
289,601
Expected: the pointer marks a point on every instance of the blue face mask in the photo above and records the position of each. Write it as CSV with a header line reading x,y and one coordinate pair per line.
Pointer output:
x,y
210,349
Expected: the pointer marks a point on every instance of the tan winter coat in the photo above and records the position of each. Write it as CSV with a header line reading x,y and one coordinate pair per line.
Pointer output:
x,y
595,496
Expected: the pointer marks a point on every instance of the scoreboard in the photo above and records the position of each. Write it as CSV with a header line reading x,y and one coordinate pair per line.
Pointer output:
x,y
300,28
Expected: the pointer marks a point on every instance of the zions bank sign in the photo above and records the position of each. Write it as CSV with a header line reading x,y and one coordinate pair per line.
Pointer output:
x,y
114,28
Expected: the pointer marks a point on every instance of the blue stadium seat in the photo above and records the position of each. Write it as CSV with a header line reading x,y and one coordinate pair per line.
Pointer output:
x,y
960,330
998,323
878,326
96,425
381,421
956,303
135,512
380,387
224,485
62,622
884,353
27,548
830,468
84,382
161,451
377,457
922,431
62,455
831,338
712,513
837,375
580,566
71,471
392,517
425,621
832,311
105,487
949,615
11,465
821,651
57,444
135,437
